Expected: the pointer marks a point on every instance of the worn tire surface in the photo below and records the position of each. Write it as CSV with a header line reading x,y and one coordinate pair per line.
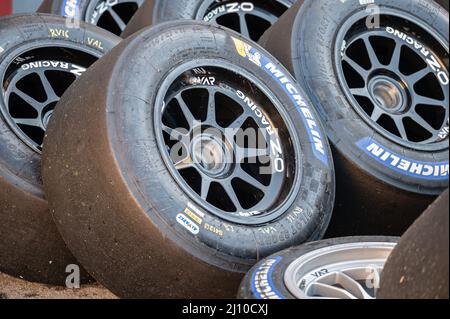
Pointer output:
x,y
30,246
372,197
116,203
418,267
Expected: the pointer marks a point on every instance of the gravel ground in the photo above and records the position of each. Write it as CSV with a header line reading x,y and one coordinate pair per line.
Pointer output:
x,y
12,288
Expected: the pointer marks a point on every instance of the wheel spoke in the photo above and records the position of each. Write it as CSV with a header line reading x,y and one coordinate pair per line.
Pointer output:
x,y
206,185
424,124
270,18
355,66
416,77
49,91
401,127
325,290
375,62
183,163
211,115
175,134
117,19
186,112
420,99
360,92
237,123
243,25
29,122
38,106
395,59
232,194
376,114
247,178
352,286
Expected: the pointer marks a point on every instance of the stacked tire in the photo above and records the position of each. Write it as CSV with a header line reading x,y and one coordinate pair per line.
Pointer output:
x,y
181,157
369,73
39,58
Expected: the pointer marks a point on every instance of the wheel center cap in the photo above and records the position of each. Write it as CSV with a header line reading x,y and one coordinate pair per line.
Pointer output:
x,y
388,94
210,154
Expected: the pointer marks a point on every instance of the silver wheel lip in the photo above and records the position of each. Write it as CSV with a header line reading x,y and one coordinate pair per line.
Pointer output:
x,y
336,257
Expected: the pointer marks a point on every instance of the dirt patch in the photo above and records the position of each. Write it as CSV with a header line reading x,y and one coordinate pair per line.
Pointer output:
x,y
12,288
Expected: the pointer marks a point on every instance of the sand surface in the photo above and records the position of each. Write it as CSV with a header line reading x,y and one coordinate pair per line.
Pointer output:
x,y
12,288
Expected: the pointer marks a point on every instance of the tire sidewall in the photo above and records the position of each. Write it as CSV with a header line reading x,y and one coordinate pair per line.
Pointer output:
x,y
347,131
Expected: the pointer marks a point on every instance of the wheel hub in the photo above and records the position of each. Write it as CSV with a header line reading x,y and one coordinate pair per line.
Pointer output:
x,y
212,155
389,94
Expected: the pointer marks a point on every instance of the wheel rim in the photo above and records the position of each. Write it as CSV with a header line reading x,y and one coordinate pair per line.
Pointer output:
x,y
389,79
112,15
348,271
217,147
33,83
251,19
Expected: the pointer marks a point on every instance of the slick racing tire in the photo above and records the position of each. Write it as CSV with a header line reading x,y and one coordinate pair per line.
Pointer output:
x,y
39,58
162,195
342,268
382,93
112,15
418,266
250,18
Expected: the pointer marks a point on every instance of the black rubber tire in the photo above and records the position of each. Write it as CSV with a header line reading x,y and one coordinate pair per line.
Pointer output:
x,y
77,9
418,268
376,198
275,266
156,11
443,3
31,247
122,221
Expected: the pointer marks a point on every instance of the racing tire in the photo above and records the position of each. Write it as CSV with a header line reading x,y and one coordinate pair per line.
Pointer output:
x,y
389,165
342,268
39,58
418,266
250,18
111,15
134,213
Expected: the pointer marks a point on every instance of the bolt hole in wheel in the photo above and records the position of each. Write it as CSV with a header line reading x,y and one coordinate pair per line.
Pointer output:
x,y
251,19
227,143
32,85
347,271
112,15
396,77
